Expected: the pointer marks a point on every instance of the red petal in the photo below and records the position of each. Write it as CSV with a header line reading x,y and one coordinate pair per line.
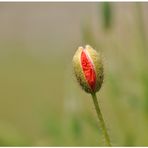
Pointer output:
x,y
88,70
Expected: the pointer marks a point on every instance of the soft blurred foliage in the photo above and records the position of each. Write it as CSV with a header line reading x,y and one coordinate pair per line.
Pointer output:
x,y
41,103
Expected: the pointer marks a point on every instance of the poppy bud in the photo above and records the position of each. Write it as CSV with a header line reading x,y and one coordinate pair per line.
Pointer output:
x,y
88,69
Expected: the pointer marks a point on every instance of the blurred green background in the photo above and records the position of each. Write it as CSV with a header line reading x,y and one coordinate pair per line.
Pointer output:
x,y
41,103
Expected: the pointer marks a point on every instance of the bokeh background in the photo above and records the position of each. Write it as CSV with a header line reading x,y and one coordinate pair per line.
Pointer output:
x,y
41,103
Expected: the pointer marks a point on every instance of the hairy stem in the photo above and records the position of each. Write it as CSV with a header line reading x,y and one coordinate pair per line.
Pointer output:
x,y
102,123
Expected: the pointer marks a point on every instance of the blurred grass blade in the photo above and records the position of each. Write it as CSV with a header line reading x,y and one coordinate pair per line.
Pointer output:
x,y
76,127
141,27
145,91
107,15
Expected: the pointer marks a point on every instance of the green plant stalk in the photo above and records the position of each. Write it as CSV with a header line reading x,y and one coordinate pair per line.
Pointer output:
x,y
102,123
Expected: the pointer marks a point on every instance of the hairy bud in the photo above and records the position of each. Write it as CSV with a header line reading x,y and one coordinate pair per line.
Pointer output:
x,y
88,69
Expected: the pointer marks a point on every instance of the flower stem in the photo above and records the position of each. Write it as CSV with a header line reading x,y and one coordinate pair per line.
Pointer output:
x,y
102,123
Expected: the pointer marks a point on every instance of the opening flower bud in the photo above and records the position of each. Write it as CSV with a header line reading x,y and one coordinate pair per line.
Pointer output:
x,y
88,68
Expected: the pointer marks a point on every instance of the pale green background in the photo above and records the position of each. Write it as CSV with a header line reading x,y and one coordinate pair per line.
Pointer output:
x,y
41,103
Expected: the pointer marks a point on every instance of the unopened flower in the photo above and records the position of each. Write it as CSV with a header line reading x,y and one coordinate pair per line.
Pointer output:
x,y
88,68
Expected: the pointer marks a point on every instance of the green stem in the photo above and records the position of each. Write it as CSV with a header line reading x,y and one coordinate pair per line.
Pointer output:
x,y
102,123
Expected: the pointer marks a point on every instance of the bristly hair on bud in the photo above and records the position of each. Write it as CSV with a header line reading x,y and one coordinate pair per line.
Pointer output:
x,y
88,69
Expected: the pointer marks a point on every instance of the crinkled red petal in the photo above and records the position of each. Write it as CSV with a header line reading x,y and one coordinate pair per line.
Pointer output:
x,y
88,70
